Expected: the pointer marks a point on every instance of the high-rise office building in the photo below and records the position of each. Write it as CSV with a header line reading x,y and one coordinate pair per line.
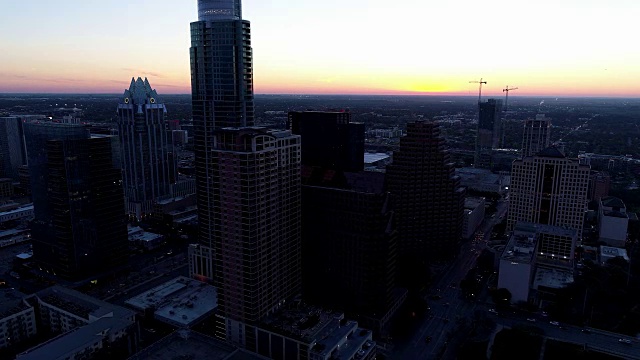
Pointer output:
x,y
13,152
488,136
429,201
79,227
147,156
599,185
330,139
537,135
349,237
252,246
549,189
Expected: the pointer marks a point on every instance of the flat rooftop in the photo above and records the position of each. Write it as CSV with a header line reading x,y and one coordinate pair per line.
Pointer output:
x,y
181,301
552,278
521,248
184,344
81,305
473,202
303,322
612,252
372,158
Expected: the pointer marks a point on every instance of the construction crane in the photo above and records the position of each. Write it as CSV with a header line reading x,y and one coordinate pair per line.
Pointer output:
x,y
506,100
480,92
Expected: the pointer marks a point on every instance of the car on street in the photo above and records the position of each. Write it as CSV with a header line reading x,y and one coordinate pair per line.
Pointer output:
x,y
493,311
624,341
531,320
554,323
428,339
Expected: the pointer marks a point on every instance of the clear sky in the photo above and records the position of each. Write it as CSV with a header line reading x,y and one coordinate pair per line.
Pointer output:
x,y
544,47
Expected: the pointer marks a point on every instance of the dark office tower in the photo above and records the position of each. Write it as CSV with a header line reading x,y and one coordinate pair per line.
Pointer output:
x,y
79,228
349,245
330,139
537,135
429,202
13,153
147,157
250,245
489,131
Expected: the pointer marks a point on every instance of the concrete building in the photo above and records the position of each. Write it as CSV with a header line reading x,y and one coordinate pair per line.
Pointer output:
x,y
549,189
428,200
537,135
180,302
148,161
607,253
613,222
20,213
517,263
144,240
473,215
79,228
483,180
17,319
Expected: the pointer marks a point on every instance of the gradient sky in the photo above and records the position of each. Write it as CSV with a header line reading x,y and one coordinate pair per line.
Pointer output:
x,y
544,47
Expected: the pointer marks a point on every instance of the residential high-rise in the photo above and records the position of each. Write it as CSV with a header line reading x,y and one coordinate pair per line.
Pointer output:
x,y
537,135
429,201
79,227
13,152
251,245
489,135
549,189
331,140
147,156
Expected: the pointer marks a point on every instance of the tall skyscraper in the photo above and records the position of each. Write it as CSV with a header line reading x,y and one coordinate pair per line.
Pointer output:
x,y
537,135
330,139
13,152
429,201
549,189
147,157
489,131
251,245
79,227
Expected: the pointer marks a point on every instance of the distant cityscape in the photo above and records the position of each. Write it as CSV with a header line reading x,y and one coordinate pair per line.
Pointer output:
x,y
228,225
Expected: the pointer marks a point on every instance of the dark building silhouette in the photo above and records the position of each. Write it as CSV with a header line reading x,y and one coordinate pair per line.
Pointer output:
x,y
429,201
349,245
331,140
13,153
536,135
147,155
79,227
489,131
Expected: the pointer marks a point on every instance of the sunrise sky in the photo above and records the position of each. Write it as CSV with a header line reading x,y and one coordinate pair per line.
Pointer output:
x,y
544,47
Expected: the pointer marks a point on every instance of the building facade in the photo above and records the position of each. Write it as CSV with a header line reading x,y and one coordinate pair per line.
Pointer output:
x,y
79,227
251,246
331,140
12,146
549,189
428,199
148,161
537,135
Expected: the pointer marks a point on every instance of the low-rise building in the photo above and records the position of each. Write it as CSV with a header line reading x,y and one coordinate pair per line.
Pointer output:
x,y
17,214
17,319
613,222
483,181
607,253
181,302
517,263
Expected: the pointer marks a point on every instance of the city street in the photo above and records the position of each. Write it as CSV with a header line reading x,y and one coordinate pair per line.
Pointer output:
x,y
441,320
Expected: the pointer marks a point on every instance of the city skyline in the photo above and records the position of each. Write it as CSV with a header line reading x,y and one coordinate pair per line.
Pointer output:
x,y
561,48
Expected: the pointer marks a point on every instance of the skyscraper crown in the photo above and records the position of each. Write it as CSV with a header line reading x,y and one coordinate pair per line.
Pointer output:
x,y
140,92
212,10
